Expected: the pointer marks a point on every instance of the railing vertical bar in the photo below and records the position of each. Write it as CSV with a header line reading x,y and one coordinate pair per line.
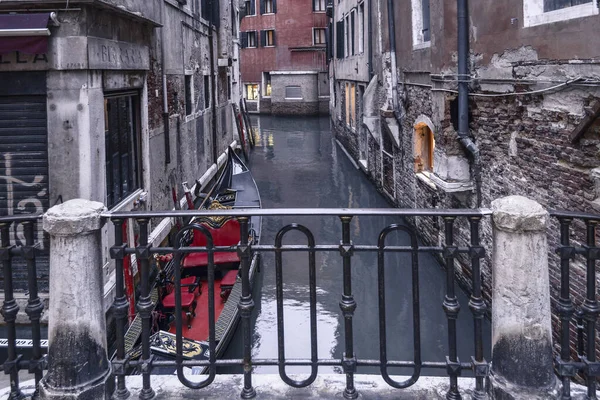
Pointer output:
x,y
246,306
313,306
348,306
34,306
590,306
145,308
452,308
9,312
478,308
565,308
120,307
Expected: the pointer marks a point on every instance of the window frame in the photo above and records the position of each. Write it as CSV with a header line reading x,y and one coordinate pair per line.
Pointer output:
x,y
361,27
254,97
267,84
255,36
534,14
315,30
250,10
267,3
319,5
134,146
295,87
418,37
270,38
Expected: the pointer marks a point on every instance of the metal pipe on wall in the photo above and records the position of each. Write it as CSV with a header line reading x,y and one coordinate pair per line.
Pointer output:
x,y
164,87
463,93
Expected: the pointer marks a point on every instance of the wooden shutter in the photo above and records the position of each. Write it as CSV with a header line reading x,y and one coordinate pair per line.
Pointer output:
x,y
274,6
252,7
262,6
263,38
244,40
339,39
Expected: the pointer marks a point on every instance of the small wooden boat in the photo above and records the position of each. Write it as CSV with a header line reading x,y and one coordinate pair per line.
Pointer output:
x,y
234,188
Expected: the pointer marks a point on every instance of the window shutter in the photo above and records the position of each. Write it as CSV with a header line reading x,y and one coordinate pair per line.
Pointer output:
x,y
274,6
339,39
252,7
262,6
263,38
313,5
244,40
274,40
328,52
426,21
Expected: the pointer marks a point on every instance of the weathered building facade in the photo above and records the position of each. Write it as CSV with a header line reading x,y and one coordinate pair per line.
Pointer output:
x,y
529,114
284,60
113,101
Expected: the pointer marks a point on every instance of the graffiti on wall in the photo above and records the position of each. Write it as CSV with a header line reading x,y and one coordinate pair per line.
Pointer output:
x,y
20,196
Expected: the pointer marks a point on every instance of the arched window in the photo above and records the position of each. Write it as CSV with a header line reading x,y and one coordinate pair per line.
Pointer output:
x,y
423,150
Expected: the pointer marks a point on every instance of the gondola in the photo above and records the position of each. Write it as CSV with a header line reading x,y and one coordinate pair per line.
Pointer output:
x,y
233,189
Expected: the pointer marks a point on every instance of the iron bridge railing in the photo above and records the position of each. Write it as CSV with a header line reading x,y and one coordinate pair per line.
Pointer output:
x,y
14,251
346,248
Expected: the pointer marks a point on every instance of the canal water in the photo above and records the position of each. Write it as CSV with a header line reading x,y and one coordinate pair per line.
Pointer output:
x,y
297,163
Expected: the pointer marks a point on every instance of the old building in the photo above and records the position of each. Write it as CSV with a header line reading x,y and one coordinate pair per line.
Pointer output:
x,y
284,60
472,102
113,101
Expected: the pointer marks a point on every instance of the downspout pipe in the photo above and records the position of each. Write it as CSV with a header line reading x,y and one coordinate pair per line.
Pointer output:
x,y
213,96
392,36
370,54
165,114
463,93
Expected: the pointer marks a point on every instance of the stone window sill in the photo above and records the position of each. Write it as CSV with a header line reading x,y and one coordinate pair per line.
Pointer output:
x,y
425,177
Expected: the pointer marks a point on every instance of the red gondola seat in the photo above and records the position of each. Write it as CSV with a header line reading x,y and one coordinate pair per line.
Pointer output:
x,y
226,235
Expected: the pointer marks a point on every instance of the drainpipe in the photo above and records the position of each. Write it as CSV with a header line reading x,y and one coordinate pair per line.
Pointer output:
x,y
370,54
392,35
164,87
463,93
211,41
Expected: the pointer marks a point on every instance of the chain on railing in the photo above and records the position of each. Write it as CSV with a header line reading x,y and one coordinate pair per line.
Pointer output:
x,y
346,248
587,312
9,250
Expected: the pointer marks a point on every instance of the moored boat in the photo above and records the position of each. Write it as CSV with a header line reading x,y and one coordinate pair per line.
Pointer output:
x,y
233,189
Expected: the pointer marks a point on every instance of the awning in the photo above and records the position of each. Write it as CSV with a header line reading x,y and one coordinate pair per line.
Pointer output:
x,y
26,33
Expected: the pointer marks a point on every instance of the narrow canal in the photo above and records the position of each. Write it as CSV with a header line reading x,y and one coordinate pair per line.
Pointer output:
x,y
297,163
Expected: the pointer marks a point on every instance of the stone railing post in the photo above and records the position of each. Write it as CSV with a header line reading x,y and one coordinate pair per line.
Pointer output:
x,y
522,366
78,366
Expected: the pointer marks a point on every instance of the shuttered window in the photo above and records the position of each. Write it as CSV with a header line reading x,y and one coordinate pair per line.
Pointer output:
x,y
268,6
293,92
339,49
23,144
551,5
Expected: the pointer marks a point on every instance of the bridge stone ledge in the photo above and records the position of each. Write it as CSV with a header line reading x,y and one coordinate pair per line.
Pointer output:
x,y
270,387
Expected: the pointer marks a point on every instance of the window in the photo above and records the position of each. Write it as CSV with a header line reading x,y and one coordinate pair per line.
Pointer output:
x,y
267,82
351,105
538,12
251,39
123,161
352,32
293,92
339,37
361,27
421,23
267,38
318,5
252,91
206,91
424,145
250,7
318,36
189,94
551,5
268,6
